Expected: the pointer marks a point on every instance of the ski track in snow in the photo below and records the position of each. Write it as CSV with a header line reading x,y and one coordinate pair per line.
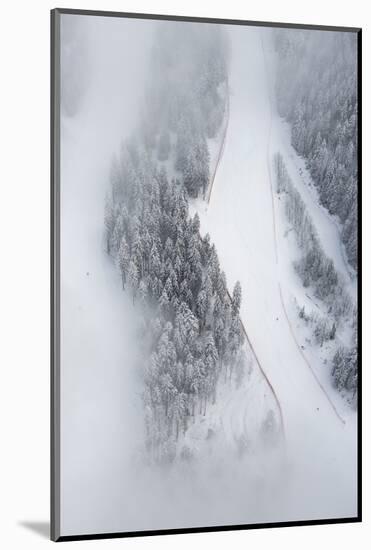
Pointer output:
x,y
243,199
246,405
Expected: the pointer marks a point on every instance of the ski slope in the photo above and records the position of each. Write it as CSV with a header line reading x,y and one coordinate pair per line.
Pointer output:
x,y
321,448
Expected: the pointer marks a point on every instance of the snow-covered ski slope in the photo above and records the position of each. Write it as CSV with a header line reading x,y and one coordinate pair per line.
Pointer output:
x,y
321,448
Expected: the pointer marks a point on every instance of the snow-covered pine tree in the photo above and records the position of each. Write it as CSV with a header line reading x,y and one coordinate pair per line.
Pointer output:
x,y
236,299
133,278
123,260
109,220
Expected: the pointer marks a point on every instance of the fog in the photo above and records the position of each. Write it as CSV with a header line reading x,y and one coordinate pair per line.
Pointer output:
x,y
107,483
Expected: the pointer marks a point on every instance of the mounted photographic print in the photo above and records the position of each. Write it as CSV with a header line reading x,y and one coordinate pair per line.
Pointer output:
x,y
205,203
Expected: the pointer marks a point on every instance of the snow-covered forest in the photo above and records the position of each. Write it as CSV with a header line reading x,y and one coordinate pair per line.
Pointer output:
x,y
209,312
317,93
191,323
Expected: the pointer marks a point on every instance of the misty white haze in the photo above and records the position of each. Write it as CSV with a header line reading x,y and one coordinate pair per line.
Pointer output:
x,y
277,440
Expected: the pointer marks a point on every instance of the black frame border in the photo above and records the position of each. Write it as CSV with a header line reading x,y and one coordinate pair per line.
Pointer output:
x,y
55,276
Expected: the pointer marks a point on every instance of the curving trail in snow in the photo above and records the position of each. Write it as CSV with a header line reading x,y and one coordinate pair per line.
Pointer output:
x,y
240,220
265,377
306,360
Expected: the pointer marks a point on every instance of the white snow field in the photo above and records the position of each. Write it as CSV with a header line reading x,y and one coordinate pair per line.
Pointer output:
x,y
320,438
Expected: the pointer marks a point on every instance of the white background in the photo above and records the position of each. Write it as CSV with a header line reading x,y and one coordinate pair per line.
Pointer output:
x,y
24,272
